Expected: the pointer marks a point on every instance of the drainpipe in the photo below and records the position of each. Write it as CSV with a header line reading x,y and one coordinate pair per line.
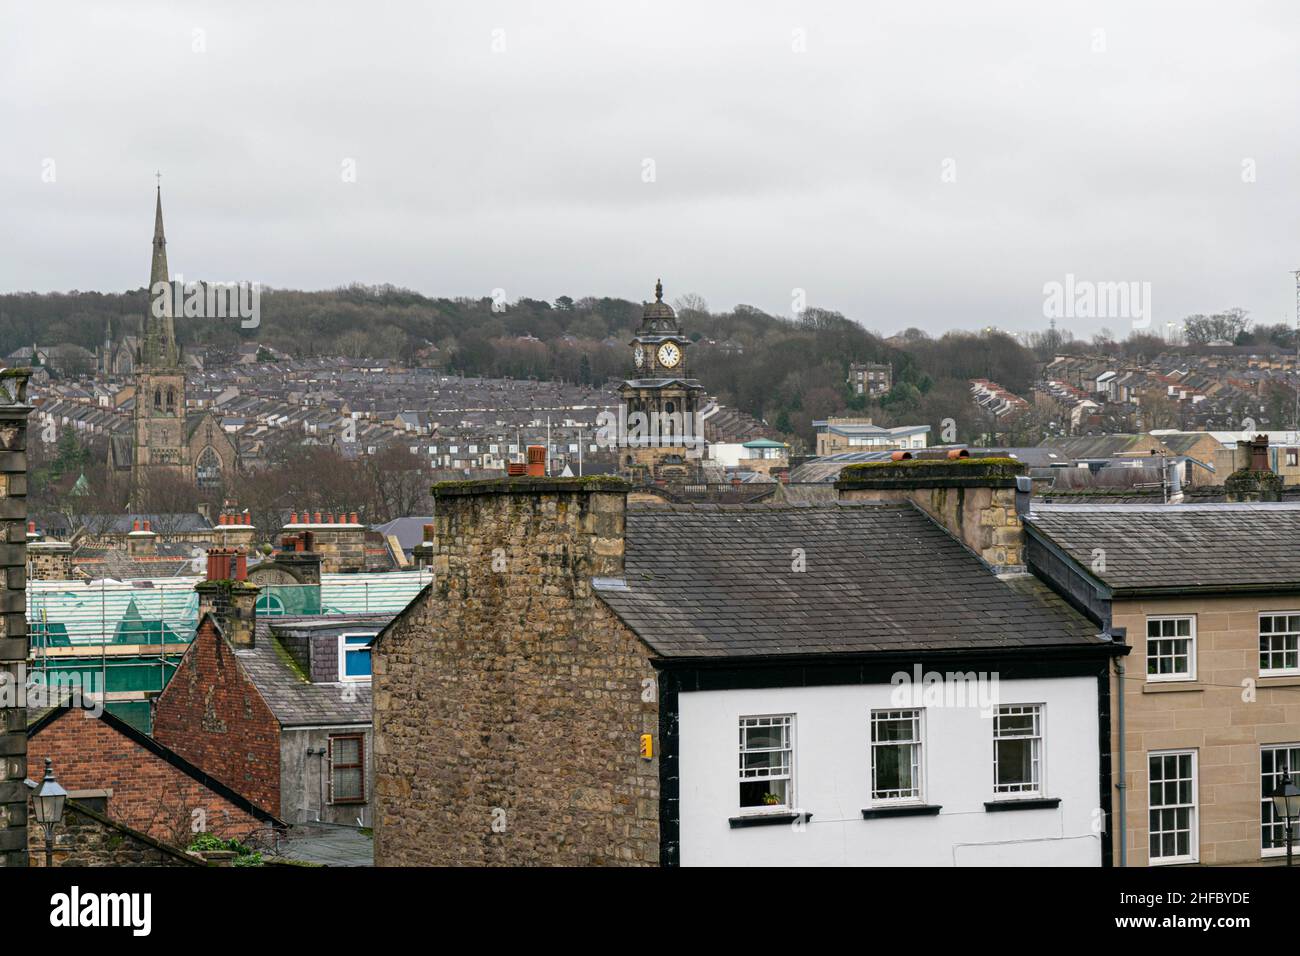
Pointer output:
x,y
319,754
1120,636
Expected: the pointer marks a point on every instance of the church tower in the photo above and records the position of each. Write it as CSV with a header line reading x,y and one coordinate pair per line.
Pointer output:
x,y
159,419
665,438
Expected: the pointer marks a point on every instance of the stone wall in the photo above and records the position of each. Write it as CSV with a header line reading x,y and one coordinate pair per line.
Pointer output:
x,y
509,700
1226,716
212,715
87,838
13,616
49,560
341,546
973,498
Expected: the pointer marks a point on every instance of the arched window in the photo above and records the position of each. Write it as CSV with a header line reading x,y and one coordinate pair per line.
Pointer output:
x,y
171,399
269,604
157,398
207,470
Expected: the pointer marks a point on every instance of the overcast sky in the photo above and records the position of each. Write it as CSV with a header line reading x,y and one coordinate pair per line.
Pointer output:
x,y
929,164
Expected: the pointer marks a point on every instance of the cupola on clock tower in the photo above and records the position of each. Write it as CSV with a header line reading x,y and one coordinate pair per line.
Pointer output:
x,y
664,436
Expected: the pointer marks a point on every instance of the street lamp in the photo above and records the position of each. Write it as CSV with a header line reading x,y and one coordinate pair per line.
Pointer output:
x,y
50,798
1286,804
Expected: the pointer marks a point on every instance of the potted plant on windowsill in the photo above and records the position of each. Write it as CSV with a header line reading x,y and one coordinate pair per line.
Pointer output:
x,y
772,800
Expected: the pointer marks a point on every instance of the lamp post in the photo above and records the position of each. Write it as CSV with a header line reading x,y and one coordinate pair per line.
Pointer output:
x,y
49,801
1286,804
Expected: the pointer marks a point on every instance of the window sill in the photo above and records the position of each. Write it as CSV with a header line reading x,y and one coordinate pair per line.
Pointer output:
x,y
769,819
1278,680
902,810
1034,803
1171,686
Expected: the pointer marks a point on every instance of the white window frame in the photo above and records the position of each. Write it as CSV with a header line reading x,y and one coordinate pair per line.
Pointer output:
x,y
1266,799
1038,785
1191,647
918,754
1279,671
343,650
788,777
1194,820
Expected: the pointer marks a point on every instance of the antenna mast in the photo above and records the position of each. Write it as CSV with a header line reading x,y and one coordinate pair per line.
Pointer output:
x,y
1296,421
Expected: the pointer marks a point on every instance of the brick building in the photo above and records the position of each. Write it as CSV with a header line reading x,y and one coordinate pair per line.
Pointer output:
x,y
110,767
279,710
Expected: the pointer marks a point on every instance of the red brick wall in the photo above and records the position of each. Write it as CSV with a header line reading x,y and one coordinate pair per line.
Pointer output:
x,y
211,714
149,794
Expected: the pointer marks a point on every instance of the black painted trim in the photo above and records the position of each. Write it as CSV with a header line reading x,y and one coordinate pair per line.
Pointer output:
x,y
768,819
669,786
1106,774
1038,803
903,810
830,670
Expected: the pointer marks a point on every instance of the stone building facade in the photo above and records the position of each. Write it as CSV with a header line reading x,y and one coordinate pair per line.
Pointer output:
x,y
13,616
165,439
667,444
509,700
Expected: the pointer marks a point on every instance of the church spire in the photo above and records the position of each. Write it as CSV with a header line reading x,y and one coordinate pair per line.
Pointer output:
x,y
158,271
159,346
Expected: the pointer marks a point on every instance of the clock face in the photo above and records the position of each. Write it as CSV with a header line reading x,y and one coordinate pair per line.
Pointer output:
x,y
638,354
669,355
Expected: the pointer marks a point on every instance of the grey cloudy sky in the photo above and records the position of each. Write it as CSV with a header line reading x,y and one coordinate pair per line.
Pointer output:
x,y
794,146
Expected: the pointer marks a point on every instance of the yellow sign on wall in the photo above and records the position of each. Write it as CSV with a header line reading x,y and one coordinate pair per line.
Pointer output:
x,y
647,747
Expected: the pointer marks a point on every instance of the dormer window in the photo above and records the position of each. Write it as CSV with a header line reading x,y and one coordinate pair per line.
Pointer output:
x,y
354,656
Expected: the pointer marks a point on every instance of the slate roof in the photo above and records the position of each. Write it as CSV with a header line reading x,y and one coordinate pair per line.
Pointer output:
x,y
1188,547
296,701
707,581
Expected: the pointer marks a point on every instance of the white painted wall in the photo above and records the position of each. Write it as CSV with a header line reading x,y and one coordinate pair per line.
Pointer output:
x,y
727,453
833,782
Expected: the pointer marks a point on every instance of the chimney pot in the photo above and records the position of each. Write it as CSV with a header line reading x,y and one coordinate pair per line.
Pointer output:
x,y
146,524
135,525
536,461
355,517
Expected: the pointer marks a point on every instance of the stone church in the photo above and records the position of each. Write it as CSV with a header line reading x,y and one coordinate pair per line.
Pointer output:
x,y
664,439
165,438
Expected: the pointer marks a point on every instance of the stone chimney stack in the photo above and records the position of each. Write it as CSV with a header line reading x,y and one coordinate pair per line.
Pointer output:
x,y
143,540
229,597
1254,479
513,649
235,530
423,552
298,554
978,500
544,530
13,616
340,538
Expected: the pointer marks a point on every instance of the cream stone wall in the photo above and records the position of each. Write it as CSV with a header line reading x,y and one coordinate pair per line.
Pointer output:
x,y
1225,714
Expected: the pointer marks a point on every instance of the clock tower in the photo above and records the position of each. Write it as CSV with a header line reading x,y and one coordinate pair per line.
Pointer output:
x,y
664,435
